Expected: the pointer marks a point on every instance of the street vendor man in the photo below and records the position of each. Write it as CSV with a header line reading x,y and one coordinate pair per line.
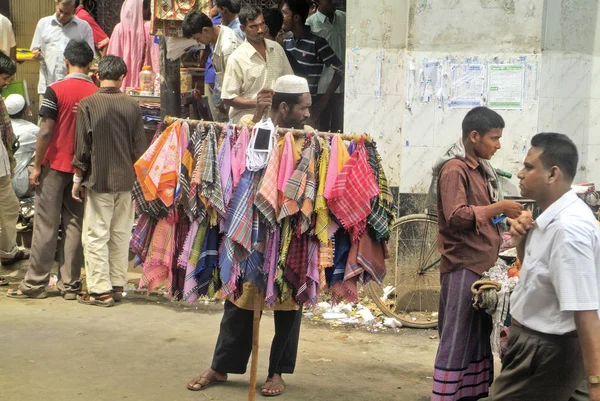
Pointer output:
x,y
469,241
554,343
287,104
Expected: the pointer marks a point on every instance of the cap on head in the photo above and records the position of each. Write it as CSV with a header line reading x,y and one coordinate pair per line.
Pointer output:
x,y
291,84
15,103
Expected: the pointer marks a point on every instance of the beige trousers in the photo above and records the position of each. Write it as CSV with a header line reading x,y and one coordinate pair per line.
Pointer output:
x,y
107,222
54,206
9,214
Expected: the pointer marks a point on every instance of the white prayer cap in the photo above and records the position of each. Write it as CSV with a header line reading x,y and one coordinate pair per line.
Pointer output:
x,y
291,84
15,103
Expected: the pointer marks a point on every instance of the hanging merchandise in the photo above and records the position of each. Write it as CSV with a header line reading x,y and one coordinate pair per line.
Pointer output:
x,y
227,212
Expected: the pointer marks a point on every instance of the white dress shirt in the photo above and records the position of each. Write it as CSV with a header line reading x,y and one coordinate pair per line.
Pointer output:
x,y
561,268
52,38
7,36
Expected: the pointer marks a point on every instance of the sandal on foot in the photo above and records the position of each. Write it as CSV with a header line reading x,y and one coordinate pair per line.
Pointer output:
x,y
117,293
210,378
105,300
16,295
3,281
20,255
272,384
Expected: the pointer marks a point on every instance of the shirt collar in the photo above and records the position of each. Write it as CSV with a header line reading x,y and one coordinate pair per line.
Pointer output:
x,y
55,21
472,163
322,17
78,75
109,89
554,209
251,50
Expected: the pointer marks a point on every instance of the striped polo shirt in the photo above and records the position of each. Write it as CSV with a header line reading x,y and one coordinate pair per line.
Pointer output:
x,y
308,55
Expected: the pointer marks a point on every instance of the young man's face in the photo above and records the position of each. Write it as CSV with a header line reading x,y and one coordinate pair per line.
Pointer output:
x,y
297,116
64,12
5,80
533,176
203,37
288,18
255,30
486,145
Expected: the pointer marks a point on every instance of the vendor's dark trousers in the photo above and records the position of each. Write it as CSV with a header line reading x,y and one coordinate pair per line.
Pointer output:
x,y
540,367
234,344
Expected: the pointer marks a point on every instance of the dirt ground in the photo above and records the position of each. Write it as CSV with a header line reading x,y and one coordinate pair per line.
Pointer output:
x,y
148,348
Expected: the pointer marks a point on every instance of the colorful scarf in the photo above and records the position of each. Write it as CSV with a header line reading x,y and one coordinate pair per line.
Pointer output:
x,y
210,175
351,195
190,287
224,158
338,159
382,214
321,209
271,293
159,261
267,197
238,159
209,260
141,237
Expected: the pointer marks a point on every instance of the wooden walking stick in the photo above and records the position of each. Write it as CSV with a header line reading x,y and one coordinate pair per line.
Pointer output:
x,y
258,301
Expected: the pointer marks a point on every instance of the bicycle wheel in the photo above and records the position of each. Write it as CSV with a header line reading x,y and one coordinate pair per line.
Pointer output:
x,y
411,288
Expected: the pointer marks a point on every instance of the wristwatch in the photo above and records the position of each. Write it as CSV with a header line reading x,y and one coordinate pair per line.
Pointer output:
x,y
594,379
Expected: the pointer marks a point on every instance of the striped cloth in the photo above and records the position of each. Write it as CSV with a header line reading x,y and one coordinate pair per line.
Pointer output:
x,y
464,365
158,264
310,190
237,245
382,214
210,175
266,200
178,273
284,247
337,160
366,261
141,237
187,167
184,140
197,208
224,159
271,255
190,287
321,209
208,262
184,256
298,185
351,195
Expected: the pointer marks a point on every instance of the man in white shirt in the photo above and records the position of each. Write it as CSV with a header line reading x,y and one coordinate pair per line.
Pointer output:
x,y
224,41
254,66
52,34
8,44
555,337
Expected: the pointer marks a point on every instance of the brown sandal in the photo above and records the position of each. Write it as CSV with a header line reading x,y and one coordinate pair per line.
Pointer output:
x,y
105,300
209,375
273,383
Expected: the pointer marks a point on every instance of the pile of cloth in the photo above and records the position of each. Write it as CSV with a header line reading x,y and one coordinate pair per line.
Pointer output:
x,y
316,217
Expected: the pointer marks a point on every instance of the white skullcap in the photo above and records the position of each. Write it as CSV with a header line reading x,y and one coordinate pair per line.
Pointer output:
x,y
291,84
15,103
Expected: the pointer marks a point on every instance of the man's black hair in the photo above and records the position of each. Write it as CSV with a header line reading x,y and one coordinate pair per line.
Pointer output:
x,y
249,13
194,22
273,19
557,150
482,120
291,99
234,6
7,65
299,7
111,68
79,53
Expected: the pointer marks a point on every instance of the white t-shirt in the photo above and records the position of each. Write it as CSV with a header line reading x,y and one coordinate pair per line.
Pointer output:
x,y
7,36
561,268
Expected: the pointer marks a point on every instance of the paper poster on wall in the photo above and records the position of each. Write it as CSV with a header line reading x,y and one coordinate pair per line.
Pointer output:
x,y
429,81
506,86
467,86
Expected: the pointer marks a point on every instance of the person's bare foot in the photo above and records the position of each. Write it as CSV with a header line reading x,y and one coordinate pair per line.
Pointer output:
x,y
206,379
274,386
